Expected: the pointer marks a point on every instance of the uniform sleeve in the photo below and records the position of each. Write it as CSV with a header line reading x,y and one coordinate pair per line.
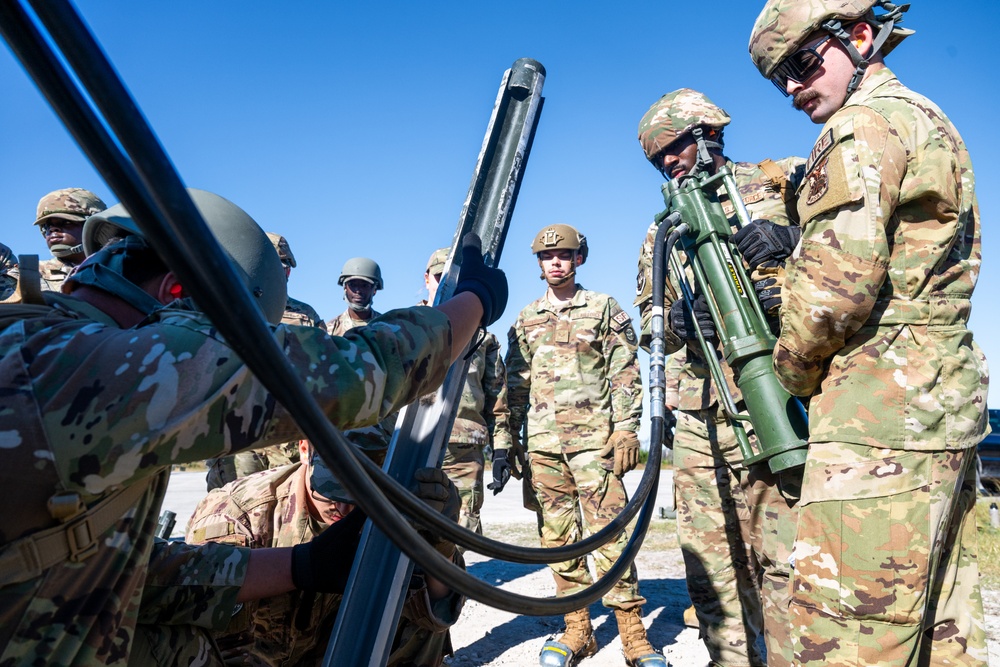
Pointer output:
x,y
644,297
173,391
518,375
495,410
193,585
833,278
623,369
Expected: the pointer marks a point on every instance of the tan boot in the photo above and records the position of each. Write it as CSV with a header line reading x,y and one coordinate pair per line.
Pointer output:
x,y
577,642
691,618
636,647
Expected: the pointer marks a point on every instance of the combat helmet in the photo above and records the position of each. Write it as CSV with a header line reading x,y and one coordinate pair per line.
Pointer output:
x,y
674,115
784,26
361,267
248,247
558,237
280,244
73,204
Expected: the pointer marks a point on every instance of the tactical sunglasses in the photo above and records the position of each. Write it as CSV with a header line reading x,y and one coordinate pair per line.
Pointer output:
x,y
799,66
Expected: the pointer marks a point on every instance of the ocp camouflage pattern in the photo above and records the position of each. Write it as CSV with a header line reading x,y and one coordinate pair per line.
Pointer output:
x,y
90,407
269,509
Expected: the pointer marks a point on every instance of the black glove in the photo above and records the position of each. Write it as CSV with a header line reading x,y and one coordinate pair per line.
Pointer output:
x,y
501,471
685,326
323,565
490,285
669,422
763,240
433,487
769,294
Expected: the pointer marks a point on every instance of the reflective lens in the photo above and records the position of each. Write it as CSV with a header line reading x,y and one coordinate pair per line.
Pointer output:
x,y
799,66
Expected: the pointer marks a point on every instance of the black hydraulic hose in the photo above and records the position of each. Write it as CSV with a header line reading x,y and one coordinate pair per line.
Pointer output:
x,y
174,226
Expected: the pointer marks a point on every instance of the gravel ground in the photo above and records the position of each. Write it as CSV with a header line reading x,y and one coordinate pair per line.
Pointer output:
x,y
485,636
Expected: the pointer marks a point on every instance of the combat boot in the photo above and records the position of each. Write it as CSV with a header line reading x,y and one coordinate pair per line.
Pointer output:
x,y
636,647
577,642
691,618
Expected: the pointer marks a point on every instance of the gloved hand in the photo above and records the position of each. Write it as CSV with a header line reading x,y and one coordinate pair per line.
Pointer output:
x,y
769,292
433,487
626,446
323,564
489,285
684,326
763,240
502,469
669,422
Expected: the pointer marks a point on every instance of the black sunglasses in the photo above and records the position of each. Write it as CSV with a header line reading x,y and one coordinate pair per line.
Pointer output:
x,y
799,66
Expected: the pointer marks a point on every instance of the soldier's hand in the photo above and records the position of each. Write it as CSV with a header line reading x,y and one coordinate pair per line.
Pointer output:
x,y
501,471
669,422
763,240
488,284
433,487
768,290
323,564
626,448
685,323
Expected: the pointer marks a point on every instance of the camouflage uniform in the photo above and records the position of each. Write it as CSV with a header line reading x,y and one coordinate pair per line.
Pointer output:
x,y
344,322
576,366
8,272
225,469
715,524
481,421
90,408
75,205
269,509
873,329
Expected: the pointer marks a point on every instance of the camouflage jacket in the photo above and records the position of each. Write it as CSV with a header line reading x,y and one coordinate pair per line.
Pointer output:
x,y
302,314
373,438
344,322
89,408
576,366
8,272
268,509
53,272
483,417
766,199
877,295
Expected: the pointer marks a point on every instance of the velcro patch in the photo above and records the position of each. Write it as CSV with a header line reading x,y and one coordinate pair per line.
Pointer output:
x,y
621,320
817,183
822,147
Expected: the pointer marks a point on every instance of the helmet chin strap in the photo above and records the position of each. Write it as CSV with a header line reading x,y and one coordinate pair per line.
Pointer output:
x,y
704,161
556,282
887,22
59,250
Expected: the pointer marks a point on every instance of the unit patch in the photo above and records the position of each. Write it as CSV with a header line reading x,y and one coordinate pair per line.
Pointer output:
x,y
822,147
817,183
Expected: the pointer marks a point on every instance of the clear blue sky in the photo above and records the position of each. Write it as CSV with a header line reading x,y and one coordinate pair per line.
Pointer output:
x,y
353,128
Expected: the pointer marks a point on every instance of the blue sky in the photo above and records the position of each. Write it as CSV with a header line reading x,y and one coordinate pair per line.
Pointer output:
x,y
353,128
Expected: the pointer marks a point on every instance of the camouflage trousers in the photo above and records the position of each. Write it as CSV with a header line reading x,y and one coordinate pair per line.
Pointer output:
x,y
163,645
225,469
713,528
885,559
464,463
772,501
566,483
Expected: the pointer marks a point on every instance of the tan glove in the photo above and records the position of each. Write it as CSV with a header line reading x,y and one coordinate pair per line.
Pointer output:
x,y
433,487
626,447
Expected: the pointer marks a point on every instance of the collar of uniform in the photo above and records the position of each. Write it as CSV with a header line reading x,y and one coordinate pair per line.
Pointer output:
x,y
578,301
870,86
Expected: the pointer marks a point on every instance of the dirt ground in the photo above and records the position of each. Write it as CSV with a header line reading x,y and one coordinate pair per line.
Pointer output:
x,y
485,637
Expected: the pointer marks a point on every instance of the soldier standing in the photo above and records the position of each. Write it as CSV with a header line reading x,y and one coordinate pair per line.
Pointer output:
x,y
874,332
361,278
713,517
289,506
228,468
572,357
482,417
60,216
105,388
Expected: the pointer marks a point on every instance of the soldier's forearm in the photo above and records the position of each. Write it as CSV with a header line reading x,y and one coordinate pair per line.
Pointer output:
x,y
269,573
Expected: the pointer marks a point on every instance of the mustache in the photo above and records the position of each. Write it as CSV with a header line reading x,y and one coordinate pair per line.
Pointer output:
x,y
803,97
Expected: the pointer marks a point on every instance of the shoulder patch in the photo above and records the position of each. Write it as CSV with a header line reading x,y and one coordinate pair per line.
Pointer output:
x,y
822,147
621,320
